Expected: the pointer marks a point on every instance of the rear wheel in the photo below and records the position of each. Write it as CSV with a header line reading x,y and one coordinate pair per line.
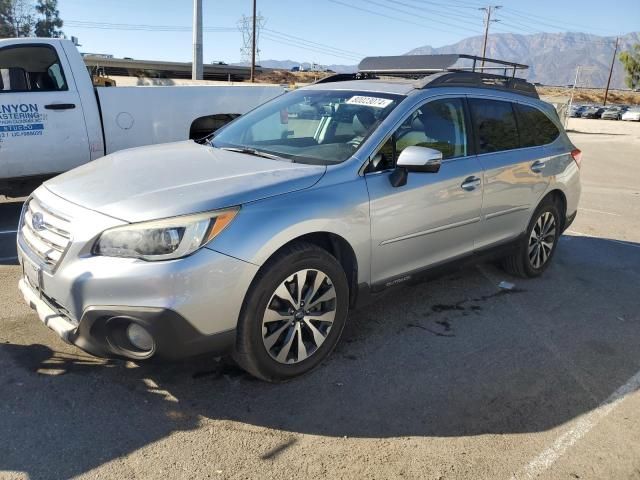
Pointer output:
x,y
538,246
293,315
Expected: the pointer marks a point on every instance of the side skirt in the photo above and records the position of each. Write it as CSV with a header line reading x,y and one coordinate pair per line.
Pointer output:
x,y
368,294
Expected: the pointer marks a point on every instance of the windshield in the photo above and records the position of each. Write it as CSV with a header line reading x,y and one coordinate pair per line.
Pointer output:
x,y
309,126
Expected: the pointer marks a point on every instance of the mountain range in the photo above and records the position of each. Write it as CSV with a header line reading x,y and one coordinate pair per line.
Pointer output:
x,y
552,57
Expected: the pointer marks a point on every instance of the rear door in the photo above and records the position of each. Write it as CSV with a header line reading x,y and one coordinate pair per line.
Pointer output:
x,y
514,177
435,216
42,128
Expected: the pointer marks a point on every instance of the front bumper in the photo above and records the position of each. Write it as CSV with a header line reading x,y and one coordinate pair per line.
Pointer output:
x,y
190,305
174,337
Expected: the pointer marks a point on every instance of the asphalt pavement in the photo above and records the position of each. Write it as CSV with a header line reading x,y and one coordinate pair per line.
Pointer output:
x,y
453,378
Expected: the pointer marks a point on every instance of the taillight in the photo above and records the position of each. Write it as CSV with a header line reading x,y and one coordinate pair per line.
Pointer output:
x,y
577,156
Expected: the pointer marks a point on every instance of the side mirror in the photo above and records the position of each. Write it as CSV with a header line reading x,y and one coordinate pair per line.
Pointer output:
x,y
415,159
420,159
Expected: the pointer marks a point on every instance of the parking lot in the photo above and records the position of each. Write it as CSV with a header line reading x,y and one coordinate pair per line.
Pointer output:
x,y
453,378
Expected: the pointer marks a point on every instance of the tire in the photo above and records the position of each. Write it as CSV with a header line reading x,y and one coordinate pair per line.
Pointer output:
x,y
538,246
278,337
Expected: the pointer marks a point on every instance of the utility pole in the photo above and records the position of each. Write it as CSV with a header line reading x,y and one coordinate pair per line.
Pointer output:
x,y
613,61
253,44
196,66
488,10
573,89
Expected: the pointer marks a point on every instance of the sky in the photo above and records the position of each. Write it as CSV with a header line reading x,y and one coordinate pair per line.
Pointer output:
x,y
323,31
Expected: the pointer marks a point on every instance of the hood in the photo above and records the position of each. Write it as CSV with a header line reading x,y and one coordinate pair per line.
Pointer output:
x,y
180,178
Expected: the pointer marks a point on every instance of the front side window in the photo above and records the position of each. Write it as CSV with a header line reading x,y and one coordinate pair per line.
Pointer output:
x,y
309,126
535,127
496,125
439,124
31,69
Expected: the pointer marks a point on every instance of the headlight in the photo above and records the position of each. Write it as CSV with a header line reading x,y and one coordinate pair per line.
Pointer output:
x,y
163,239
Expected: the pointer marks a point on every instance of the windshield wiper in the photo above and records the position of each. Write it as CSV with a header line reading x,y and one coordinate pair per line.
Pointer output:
x,y
254,152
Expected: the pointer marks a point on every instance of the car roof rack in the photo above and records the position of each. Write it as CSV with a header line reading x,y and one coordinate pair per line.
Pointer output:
x,y
441,71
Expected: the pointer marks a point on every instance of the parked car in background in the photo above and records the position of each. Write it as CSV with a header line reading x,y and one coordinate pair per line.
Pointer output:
x,y
614,113
260,241
592,112
576,111
633,114
53,119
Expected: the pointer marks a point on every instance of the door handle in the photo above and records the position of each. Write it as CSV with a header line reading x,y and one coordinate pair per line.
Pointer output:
x,y
537,166
470,183
60,106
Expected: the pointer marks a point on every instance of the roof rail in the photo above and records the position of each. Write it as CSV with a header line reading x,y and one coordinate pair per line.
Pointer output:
x,y
420,65
478,79
439,71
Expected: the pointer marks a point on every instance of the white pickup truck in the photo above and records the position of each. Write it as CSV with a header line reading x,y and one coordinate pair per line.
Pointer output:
x,y
52,118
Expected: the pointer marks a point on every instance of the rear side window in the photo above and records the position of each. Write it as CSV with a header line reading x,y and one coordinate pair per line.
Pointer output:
x,y
495,124
535,127
33,68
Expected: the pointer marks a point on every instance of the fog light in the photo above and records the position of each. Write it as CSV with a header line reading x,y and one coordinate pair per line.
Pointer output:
x,y
139,337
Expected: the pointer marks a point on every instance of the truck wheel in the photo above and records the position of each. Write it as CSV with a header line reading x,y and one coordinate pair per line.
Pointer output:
x,y
293,314
538,246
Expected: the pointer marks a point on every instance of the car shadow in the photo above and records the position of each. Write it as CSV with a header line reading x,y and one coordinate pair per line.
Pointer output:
x,y
457,356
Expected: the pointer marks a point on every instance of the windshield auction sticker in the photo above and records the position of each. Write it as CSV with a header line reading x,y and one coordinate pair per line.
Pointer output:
x,y
20,119
369,101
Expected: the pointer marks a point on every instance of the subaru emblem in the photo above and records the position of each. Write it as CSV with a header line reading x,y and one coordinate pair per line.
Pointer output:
x,y
37,221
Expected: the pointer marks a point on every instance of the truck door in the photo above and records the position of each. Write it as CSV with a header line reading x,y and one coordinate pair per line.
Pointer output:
x,y
42,126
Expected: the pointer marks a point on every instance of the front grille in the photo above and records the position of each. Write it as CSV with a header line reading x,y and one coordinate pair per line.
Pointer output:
x,y
51,237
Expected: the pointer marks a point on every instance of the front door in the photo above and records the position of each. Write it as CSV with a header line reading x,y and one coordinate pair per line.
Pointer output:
x,y
435,216
42,128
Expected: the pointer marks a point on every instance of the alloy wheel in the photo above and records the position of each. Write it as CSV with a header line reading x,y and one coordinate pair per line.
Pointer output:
x,y
299,316
542,240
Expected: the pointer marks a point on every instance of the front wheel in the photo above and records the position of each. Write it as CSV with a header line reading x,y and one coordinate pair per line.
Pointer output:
x,y
538,246
293,315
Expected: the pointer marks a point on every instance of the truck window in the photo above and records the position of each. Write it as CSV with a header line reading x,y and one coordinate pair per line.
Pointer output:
x,y
33,68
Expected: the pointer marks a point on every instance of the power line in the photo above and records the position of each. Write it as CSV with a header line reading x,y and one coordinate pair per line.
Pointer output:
x,y
310,48
279,37
384,15
519,25
560,23
142,27
459,12
430,19
294,38
360,9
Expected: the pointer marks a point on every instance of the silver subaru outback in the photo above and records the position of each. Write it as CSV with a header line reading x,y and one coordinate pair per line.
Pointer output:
x,y
258,241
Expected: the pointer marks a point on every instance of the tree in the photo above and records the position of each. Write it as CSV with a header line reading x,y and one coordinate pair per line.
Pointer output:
x,y
23,18
16,18
50,22
631,62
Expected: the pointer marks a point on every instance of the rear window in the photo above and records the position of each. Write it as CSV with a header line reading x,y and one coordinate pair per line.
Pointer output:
x,y
495,125
535,127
